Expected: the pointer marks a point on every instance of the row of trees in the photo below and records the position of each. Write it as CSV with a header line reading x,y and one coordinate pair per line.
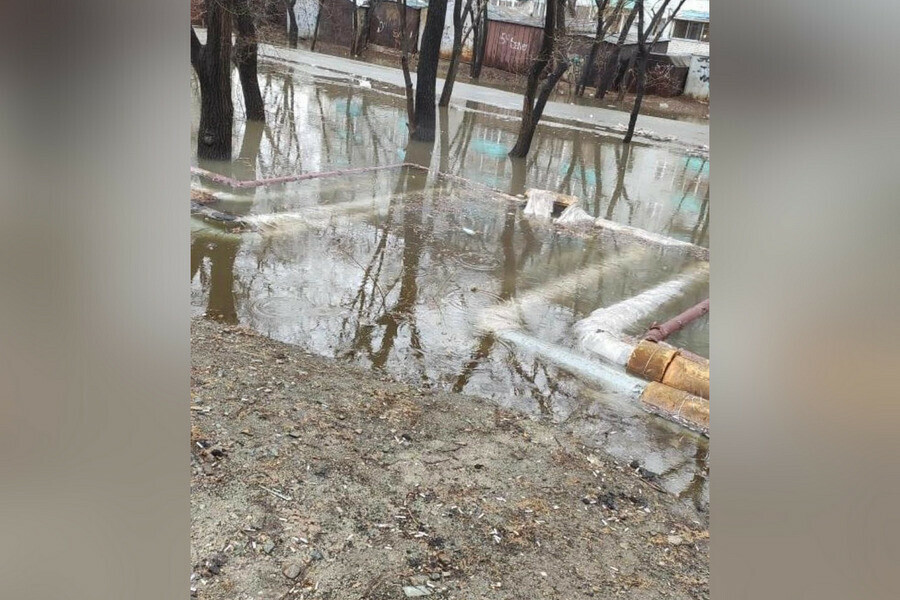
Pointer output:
x,y
550,65
213,60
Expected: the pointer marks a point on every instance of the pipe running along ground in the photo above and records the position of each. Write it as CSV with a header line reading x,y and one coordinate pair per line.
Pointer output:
x,y
660,332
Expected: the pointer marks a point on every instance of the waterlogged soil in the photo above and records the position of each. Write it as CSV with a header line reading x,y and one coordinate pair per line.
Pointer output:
x,y
318,479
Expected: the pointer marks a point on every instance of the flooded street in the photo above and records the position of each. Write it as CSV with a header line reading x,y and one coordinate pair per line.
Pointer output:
x,y
405,271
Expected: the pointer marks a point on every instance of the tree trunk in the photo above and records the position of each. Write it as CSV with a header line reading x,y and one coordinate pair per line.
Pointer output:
x,y
407,78
595,47
246,58
612,62
643,32
639,97
315,39
367,24
360,30
600,35
626,77
447,90
426,73
526,134
642,54
531,111
480,24
214,73
293,30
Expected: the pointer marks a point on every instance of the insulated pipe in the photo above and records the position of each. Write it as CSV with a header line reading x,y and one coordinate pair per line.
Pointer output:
x,y
664,364
607,377
652,238
658,333
508,315
678,405
601,332
254,183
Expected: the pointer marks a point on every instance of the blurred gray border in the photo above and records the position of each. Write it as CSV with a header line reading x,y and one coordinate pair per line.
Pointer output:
x,y
94,300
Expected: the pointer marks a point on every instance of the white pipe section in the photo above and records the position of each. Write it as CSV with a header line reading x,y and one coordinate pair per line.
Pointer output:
x,y
653,238
605,376
602,332
314,216
507,315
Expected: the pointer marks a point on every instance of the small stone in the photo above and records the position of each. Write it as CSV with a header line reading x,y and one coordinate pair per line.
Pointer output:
x,y
415,591
635,464
675,540
435,576
418,580
316,555
268,546
292,571
294,434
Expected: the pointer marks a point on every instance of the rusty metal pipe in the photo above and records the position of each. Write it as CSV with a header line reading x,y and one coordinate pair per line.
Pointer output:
x,y
677,405
662,363
659,332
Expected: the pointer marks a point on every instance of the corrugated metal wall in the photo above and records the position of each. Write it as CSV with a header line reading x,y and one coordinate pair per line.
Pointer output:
x,y
336,22
384,27
511,47
198,13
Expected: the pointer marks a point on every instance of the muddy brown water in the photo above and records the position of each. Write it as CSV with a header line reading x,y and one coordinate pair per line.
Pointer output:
x,y
395,270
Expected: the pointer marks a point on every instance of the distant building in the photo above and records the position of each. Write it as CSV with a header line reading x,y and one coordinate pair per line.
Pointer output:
x,y
689,31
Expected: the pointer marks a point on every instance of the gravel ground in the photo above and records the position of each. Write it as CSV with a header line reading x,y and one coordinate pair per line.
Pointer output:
x,y
315,479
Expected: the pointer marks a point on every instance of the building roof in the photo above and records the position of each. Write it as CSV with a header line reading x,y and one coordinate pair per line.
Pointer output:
x,y
693,15
513,15
415,4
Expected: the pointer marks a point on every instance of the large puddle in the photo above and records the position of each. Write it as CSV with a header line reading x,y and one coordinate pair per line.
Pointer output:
x,y
399,270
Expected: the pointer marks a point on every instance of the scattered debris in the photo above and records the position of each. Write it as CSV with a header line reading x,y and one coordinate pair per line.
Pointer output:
x,y
543,203
292,570
574,214
202,198
415,591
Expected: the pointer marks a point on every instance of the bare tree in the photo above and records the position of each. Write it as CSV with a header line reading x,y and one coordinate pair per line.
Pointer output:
x,y
360,28
407,78
479,39
603,25
426,71
462,11
212,63
245,56
534,102
654,26
293,30
420,101
643,55
610,68
315,37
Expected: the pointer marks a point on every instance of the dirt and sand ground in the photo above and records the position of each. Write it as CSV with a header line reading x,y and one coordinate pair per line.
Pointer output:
x,y
315,479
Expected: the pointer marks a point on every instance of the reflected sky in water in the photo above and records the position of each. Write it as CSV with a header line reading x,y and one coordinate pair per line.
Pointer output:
x,y
391,270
